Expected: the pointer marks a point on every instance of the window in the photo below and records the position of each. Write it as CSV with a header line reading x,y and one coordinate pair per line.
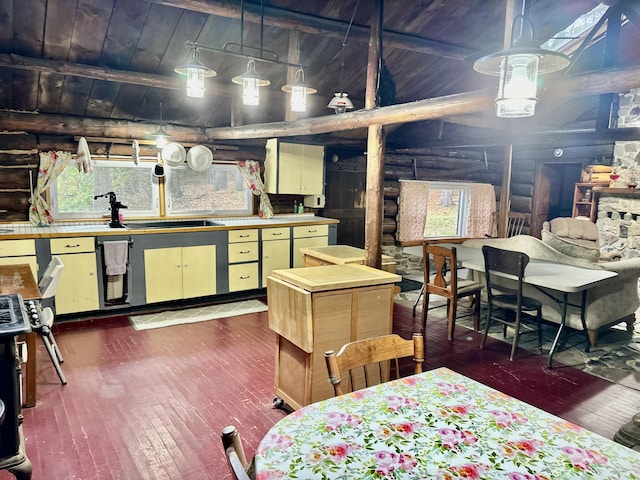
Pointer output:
x,y
447,210
72,195
220,190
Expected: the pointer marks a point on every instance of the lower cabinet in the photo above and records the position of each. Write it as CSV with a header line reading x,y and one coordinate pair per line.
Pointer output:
x,y
243,260
176,273
306,237
276,251
78,287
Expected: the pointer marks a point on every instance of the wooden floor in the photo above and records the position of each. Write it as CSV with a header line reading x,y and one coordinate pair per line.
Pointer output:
x,y
151,404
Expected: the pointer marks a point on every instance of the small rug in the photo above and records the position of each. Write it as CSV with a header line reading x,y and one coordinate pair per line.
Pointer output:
x,y
616,357
198,314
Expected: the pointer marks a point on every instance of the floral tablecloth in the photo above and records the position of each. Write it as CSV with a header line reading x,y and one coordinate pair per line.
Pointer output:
x,y
436,425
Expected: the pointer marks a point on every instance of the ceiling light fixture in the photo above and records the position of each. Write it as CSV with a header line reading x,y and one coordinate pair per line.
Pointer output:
x,y
251,83
299,91
195,72
518,68
161,133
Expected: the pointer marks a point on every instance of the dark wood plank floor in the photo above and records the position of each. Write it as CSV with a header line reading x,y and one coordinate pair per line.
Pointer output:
x,y
151,404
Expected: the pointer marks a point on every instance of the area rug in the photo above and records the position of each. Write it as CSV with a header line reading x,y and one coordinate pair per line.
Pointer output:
x,y
199,314
616,357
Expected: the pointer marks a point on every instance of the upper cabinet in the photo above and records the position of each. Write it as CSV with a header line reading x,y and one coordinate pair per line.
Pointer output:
x,y
294,168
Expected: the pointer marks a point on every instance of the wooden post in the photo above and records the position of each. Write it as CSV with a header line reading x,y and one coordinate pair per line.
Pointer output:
x,y
294,57
375,148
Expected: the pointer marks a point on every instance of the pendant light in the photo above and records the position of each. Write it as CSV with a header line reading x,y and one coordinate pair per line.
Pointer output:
x,y
251,83
518,68
161,134
341,102
299,91
195,72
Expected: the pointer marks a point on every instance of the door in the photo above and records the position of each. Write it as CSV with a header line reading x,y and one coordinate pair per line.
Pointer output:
x,y
163,274
198,271
78,287
275,255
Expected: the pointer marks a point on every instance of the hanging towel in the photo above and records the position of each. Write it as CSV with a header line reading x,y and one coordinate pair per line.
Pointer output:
x,y
115,257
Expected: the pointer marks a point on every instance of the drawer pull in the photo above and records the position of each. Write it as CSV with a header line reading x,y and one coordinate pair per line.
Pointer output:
x,y
245,277
276,234
245,251
244,236
312,231
76,245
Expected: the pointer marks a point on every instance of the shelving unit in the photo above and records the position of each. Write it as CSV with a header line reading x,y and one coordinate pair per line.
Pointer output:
x,y
584,204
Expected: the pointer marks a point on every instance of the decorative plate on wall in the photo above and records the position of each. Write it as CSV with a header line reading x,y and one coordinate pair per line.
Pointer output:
x,y
174,154
199,158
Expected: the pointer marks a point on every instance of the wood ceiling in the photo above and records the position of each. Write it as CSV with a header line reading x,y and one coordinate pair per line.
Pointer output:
x,y
101,68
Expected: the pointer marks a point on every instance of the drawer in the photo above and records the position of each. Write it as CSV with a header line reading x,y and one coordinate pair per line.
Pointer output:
x,y
243,277
72,245
311,231
281,233
243,235
16,248
243,252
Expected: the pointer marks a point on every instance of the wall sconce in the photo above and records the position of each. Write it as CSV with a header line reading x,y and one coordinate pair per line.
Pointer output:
x,y
299,91
195,73
518,68
161,134
251,83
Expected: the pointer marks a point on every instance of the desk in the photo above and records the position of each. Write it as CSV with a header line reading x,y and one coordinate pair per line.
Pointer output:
x,y
437,424
559,277
19,279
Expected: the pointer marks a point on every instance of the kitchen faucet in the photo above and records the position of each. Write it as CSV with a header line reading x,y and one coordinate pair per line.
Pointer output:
x,y
114,206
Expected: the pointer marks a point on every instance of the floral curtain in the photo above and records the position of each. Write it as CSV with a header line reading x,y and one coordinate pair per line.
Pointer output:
x,y
250,170
51,166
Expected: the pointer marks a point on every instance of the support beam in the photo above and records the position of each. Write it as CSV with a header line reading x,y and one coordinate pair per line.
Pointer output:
x,y
287,19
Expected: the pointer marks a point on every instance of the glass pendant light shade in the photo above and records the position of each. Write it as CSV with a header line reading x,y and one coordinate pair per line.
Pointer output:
x,y
518,86
299,91
340,102
251,83
161,138
195,72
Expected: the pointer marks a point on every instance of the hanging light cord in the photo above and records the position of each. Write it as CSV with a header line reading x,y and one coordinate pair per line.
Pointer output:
x,y
344,44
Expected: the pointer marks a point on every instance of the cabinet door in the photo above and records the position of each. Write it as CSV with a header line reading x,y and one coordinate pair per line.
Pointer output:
x,y
275,255
294,168
199,271
298,243
78,287
312,175
163,274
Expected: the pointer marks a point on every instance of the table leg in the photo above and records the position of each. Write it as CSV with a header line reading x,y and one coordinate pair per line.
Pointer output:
x,y
565,301
30,382
584,320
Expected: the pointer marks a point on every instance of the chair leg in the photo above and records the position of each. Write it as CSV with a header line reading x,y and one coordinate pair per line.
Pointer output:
x,y
487,325
52,349
476,313
452,306
539,325
516,334
425,309
415,305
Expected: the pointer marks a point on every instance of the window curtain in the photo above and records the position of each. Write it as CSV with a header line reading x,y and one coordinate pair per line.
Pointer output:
x,y
250,170
51,166
481,208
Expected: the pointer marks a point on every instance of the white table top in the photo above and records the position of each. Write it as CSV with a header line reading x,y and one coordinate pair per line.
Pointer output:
x,y
556,276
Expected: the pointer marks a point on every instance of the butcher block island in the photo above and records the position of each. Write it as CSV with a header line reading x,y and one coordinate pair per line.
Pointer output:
x,y
321,308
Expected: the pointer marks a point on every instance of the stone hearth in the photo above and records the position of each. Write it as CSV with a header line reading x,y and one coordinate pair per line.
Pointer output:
x,y
619,223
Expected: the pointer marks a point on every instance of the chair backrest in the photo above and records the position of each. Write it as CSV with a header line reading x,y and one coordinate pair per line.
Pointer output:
x,y
503,262
444,281
234,451
51,277
515,223
367,362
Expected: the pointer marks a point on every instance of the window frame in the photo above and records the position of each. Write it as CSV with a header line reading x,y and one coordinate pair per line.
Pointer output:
x,y
464,205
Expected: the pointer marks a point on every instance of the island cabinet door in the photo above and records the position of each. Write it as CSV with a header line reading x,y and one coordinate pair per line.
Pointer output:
x,y
198,271
163,274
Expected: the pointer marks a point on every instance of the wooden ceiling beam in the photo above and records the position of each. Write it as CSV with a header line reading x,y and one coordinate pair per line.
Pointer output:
x,y
287,19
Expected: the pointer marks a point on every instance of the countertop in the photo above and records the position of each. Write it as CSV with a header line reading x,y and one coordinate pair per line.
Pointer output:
x,y
11,231
334,277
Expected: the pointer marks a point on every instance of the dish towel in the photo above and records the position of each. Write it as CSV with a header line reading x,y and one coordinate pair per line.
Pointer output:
x,y
115,257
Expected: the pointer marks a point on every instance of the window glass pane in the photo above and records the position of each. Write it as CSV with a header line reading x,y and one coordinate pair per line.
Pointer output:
x,y
219,190
447,210
134,186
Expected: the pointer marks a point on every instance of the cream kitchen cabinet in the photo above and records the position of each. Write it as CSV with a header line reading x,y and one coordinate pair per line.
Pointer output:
x,y
177,273
78,287
306,237
243,260
14,252
276,250
294,168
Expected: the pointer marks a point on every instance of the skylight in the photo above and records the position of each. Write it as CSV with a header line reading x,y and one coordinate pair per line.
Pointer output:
x,y
582,24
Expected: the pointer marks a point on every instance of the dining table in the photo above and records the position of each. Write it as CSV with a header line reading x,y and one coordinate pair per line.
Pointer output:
x,y
437,424
19,279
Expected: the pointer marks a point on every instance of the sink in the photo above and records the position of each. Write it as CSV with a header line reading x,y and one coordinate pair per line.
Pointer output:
x,y
171,224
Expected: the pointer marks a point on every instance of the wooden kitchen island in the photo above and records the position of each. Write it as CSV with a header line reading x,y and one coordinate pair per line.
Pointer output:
x,y
318,309
341,255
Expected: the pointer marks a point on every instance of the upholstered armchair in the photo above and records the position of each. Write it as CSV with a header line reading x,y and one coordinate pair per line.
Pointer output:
x,y
577,238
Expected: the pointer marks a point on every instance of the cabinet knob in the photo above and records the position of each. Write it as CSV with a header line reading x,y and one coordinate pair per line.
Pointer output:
x,y
92,273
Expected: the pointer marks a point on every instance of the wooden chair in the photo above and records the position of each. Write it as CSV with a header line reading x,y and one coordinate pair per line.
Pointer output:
x,y
48,285
445,283
515,224
367,362
234,451
513,303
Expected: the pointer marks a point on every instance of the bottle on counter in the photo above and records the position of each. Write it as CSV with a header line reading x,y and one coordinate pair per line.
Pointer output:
x,y
300,208
295,206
